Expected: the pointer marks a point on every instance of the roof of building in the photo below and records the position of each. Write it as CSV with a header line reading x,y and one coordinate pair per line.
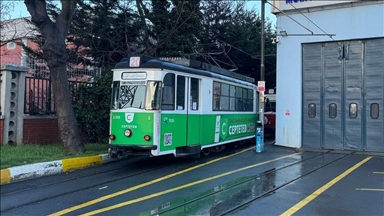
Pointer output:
x,y
17,29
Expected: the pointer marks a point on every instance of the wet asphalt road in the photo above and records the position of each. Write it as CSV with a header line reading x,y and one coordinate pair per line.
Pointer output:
x,y
233,182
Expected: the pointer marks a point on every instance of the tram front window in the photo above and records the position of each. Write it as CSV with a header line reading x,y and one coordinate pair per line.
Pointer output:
x,y
131,96
136,96
153,95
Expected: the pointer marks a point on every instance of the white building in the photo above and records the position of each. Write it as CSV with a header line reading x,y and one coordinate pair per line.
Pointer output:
x,y
330,74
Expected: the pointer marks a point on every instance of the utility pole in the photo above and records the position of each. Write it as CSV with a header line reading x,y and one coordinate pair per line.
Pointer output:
x,y
262,68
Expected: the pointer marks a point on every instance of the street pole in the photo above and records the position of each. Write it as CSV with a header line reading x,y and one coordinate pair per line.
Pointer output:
x,y
262,67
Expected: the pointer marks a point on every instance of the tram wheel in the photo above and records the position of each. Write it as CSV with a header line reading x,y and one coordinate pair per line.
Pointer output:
x,y
219,148
206,151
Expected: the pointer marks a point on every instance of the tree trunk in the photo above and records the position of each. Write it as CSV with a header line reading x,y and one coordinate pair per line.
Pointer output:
x,y
55,53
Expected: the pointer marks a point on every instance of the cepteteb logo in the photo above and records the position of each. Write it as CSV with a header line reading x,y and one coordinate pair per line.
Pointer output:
x,y
129,117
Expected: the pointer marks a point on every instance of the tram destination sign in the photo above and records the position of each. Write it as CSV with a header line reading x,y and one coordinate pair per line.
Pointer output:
x,y
133,76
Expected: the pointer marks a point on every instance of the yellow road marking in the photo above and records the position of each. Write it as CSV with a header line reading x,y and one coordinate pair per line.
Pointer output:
x,y
181,187
370,189
103,198
380,173
319,191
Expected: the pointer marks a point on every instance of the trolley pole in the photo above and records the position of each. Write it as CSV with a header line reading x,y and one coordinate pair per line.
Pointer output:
x,y
260,140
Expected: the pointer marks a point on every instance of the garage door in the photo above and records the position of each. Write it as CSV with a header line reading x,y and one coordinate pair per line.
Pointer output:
x,y
343,91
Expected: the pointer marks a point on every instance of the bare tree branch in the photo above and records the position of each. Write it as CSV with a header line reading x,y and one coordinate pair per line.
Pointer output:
x,y
63,22
38,11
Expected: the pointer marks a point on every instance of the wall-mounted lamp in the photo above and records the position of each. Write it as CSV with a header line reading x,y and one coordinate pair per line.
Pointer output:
x,y
275,40
284,33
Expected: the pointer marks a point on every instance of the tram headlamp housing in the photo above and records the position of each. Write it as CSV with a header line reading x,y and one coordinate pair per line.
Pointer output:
x,y
128,132
112,137
147,138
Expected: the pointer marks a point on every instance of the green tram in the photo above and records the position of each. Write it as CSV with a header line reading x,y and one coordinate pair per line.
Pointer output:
x,y
161,107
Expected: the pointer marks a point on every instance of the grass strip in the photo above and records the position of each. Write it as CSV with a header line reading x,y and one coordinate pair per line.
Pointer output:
x,y
11,156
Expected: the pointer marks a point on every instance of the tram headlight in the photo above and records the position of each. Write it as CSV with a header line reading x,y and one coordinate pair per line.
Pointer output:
x,y
112,137
147,138
128,132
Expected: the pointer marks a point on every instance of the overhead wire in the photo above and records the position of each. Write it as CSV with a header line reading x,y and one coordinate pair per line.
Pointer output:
x,y
329,35
289,17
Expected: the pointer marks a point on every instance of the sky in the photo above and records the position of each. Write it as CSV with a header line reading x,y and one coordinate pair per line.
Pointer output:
x,y
20,10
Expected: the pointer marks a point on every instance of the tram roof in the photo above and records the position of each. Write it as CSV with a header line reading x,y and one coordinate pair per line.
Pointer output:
x,y
194,67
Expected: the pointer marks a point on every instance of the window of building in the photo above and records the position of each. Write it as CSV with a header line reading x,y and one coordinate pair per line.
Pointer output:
x,y
11,45
311,110
353,110
375,110
332,110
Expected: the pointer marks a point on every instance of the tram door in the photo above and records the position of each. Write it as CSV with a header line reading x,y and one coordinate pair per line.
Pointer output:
x,y
187,108
193,111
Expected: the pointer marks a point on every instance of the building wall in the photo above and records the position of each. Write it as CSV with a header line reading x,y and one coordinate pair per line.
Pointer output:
x,y
14,56
347,23
41,130
1,130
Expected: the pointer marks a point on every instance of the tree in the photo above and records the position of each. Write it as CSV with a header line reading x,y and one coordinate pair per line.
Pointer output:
x,y
171,27
231,39
105,31
54,34
5,8
9,27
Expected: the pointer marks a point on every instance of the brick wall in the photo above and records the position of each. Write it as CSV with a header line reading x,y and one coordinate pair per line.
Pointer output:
x,y
40,130
1,130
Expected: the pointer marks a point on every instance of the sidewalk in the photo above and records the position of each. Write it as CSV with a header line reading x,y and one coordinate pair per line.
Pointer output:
x,y
30,171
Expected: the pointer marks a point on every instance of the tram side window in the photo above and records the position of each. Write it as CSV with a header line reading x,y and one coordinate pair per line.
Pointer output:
x,y
239,99
249,100
168,100
224,97
195,94
232,98
216,96
180,96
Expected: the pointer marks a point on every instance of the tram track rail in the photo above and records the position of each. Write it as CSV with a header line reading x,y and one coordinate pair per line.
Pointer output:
x,y
246,203
137,172
152,164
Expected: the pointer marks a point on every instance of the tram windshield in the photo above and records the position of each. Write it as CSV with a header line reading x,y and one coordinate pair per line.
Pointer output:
x,y
136,95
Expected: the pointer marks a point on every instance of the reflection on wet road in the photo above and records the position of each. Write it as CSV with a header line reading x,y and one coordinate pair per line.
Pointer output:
x,y
218,199
183,186
228,197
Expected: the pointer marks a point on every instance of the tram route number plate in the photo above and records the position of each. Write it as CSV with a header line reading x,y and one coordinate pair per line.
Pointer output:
x,y
134,62
261,86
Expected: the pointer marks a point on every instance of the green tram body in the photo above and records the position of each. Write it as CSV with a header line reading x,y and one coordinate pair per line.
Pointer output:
x,y
159,107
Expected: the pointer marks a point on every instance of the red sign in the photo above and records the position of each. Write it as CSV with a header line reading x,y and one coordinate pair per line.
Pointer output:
x,y
261,86
287,113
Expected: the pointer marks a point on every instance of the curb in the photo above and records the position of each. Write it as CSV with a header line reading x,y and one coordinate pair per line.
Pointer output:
x,y
36,170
